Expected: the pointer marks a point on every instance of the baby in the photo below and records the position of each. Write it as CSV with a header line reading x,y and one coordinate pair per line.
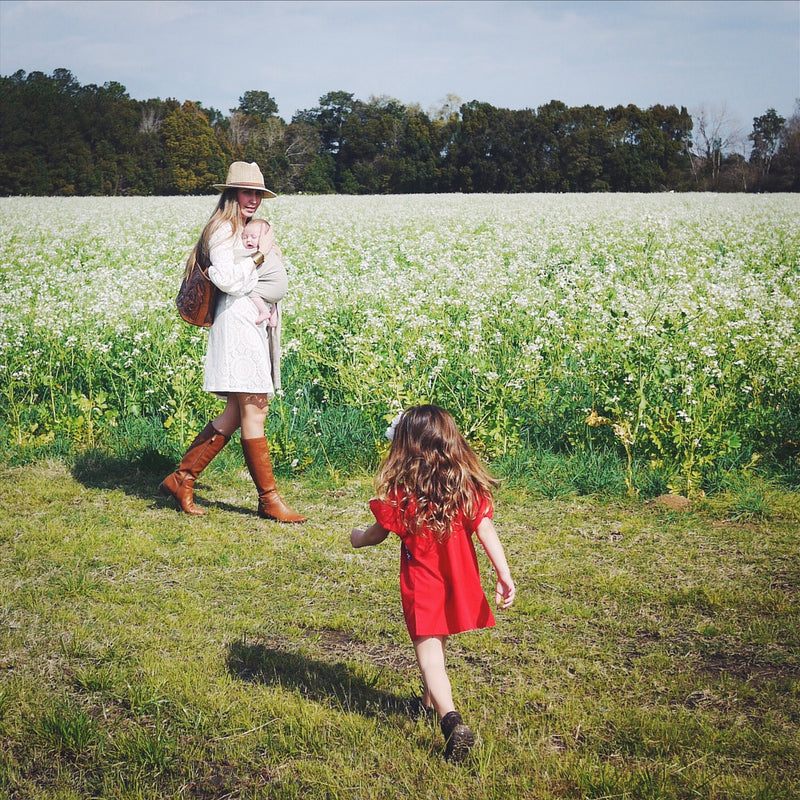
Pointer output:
x,y
265,295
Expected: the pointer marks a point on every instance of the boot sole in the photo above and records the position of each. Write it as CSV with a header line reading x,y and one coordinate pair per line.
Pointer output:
x,y
262,515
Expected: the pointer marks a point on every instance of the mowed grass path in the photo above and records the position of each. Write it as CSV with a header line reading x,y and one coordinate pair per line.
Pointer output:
x,y
146,654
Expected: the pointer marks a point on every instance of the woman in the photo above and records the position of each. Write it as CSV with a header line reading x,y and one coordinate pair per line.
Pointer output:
x,y
242,360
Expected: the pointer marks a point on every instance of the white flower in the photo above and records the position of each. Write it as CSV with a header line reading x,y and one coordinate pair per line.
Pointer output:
x,y
393,426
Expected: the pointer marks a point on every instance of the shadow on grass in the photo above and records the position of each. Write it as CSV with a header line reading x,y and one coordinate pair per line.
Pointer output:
x,y
333,683
139,476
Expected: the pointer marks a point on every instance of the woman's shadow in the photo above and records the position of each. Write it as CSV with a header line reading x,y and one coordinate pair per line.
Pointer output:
x,y
138,475
316,680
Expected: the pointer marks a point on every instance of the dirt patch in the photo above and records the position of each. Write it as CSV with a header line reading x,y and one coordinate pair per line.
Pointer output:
x,y
672,502
746,667
341,645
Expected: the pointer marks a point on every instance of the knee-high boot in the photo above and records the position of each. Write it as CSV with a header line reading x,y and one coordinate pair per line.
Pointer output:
x,y
270,505
180,484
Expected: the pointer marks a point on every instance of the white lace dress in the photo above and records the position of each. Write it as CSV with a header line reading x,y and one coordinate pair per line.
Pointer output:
x,y
238,354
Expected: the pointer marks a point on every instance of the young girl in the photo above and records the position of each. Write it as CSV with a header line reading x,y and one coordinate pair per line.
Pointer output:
x,y
434,494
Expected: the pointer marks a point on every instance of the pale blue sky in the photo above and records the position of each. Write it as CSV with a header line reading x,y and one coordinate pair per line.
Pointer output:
x,y
738,58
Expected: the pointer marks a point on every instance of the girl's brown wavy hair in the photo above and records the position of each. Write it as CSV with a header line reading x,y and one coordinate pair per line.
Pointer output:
x,y
432,473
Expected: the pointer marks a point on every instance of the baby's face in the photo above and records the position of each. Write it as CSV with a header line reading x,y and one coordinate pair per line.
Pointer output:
x,y
250,236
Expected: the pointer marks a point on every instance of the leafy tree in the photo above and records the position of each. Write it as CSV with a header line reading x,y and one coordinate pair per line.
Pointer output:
x,y
554,125
647,147
477,149
258,105
766,134
194,154
153,174
676,128
329,119
418,166
584,152
786,163
40,138
319,177
108,121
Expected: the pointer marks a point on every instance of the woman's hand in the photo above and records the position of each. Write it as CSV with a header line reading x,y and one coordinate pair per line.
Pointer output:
x,y
266,241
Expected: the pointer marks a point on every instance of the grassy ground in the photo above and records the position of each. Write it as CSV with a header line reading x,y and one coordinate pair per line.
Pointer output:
x,y
652,653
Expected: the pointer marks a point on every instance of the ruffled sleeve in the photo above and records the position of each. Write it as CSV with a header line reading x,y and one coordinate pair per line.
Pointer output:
x,y
485,509
387,515
232,276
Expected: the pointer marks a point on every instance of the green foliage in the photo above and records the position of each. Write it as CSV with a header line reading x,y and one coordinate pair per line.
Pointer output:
x,y
193,151
65,728
586,345
60,138
260,105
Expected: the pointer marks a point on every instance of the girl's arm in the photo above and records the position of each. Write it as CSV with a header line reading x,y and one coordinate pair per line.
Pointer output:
x,y
505,589
375,534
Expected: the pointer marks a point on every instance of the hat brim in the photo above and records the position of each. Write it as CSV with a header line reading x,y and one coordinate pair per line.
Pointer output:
x,y
222,186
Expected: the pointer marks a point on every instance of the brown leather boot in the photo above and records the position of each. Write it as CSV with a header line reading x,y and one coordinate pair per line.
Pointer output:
x,y
270,505
180,484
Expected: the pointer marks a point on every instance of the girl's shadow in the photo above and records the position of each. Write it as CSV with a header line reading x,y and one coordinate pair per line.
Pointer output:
x,y
316,680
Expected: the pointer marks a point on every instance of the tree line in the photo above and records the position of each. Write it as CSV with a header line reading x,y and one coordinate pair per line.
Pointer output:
x,y
58,137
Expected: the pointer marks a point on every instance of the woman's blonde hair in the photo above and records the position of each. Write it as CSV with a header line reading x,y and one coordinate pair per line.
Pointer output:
x,y
432,473
228,211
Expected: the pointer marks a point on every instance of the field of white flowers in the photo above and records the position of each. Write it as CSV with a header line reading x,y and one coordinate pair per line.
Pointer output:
x,y
661,328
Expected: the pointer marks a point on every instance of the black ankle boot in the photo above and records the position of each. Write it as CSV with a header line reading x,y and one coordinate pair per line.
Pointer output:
x,y
457,736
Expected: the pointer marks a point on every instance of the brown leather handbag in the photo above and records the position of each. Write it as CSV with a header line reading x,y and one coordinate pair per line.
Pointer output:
x,y
197,297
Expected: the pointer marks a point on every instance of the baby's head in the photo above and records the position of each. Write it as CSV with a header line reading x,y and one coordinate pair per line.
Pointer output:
x,y
252,232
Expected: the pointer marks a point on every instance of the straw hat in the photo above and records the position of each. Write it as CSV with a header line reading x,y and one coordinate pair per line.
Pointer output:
x,y
242,175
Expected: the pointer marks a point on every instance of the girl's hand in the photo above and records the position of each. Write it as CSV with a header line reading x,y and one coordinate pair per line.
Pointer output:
x,y
375,534
505,589
356,535
504,593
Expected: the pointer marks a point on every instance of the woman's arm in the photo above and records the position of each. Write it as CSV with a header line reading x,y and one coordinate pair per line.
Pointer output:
x,y
375,534
505,589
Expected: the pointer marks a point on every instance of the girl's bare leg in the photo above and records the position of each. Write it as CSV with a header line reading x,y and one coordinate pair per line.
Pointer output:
x,y
430,652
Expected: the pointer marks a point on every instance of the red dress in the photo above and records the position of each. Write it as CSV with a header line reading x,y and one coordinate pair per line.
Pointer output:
x,y
440,585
